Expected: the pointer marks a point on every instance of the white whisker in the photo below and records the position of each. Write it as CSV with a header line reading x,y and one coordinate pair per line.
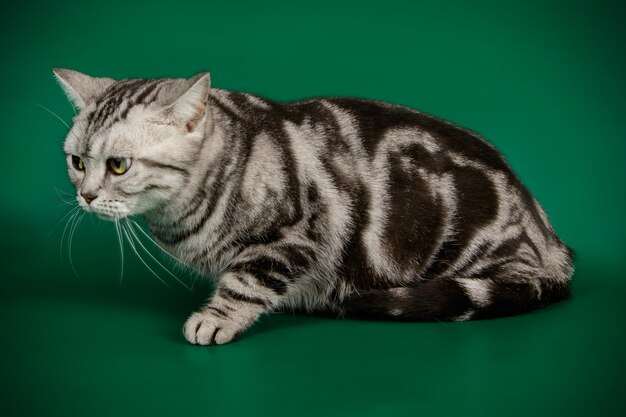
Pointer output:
x,y
68,223
132,231
132,245
62,195
67,213
71,238
52,113
57,116
152,240
121,243
195,275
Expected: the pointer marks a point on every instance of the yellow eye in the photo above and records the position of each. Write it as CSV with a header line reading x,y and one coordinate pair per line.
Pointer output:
x,y
78,163
118,166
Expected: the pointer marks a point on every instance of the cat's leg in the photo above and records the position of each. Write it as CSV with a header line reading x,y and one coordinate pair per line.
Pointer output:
x,y
242,295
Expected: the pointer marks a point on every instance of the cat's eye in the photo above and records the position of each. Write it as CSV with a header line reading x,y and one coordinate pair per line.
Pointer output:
x,y
78,163
118,166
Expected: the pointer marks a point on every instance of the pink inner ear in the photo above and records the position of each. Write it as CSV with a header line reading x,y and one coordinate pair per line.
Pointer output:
x,y
193,122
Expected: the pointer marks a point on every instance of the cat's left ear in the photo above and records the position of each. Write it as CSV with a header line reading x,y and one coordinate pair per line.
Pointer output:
x,y
80,88
191,107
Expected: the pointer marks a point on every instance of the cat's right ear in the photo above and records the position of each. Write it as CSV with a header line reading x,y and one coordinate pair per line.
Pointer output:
x,y
191,107
80,88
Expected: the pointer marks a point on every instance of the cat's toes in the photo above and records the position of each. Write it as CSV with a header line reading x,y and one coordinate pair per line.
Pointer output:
x,y
206,329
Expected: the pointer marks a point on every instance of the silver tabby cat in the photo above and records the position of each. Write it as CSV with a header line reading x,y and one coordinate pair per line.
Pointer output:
x,y
337,206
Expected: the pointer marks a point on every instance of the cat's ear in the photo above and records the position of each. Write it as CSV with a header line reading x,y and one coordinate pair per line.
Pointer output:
x,y
190,108
80,88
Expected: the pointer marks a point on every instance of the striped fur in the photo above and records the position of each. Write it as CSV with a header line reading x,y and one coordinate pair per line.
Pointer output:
x,y
340,206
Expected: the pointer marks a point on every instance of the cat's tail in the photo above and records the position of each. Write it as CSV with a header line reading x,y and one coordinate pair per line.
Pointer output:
x,y
455,299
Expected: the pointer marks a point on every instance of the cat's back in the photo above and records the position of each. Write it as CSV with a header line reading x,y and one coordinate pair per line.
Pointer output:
x,y
373,126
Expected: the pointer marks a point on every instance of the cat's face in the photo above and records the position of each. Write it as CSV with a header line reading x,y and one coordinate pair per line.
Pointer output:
x,y
133,144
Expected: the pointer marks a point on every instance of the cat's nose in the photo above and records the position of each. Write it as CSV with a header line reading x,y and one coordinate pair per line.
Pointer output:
x,y
89,197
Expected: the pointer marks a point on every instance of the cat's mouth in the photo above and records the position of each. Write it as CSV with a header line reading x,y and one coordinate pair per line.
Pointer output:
x,y
107,213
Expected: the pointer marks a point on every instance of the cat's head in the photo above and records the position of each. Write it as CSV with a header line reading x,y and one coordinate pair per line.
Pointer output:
x,y
133,143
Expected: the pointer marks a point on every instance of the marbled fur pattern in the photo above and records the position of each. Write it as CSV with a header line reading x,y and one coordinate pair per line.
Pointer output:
x,y
340,206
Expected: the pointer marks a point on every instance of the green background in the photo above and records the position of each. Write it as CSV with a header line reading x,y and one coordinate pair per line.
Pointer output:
x,y
543,81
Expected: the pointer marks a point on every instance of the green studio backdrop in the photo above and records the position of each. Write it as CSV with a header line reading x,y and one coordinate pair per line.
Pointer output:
x,y
542,80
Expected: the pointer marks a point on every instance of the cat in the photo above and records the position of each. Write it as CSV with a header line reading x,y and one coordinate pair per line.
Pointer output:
x,y
339,206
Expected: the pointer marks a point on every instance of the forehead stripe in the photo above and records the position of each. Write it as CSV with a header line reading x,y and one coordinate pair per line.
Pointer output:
x,y
113,100
116,102
110,103
139,98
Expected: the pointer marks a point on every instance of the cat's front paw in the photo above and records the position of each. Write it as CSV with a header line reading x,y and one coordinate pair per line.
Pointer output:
x,y
206,328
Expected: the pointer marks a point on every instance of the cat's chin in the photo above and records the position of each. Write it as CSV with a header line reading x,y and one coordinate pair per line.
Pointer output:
x,y
109,217
108,213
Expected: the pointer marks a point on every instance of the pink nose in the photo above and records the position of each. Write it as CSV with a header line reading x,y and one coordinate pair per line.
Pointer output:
x,y
89,197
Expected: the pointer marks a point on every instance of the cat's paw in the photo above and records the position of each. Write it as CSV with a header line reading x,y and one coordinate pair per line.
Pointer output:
x,y
205,328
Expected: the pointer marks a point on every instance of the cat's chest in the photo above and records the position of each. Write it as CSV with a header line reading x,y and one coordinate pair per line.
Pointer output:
x,y
204,255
